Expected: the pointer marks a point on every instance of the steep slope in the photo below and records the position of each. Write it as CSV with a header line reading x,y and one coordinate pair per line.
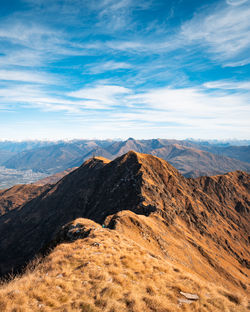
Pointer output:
x,y
201,224
19,195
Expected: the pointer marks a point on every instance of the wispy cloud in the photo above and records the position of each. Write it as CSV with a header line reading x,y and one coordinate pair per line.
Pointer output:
x,y
188,106
102,96
236,2
107,66
115,15
228,85
98,97
27,76
225,32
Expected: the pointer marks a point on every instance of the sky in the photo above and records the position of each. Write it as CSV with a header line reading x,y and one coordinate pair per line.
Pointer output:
x,y
72,69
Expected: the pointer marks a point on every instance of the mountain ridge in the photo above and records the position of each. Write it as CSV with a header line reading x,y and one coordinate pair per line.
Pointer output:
x,y
192,159
142,183
134,221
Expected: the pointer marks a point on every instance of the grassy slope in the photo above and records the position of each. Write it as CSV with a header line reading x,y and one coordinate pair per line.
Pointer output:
x,y
108,271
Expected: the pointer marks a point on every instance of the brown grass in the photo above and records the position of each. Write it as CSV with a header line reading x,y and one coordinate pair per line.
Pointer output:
x,y
118,275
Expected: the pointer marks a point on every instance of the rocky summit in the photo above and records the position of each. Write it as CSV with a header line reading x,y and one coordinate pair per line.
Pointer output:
x,y
130,234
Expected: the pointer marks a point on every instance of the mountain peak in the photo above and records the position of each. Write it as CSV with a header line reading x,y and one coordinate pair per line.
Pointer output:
x,y
143,184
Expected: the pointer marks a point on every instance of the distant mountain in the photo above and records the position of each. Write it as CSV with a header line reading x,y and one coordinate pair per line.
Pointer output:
x,y
16,147
193,162
191,158
162,235
52,159
241,153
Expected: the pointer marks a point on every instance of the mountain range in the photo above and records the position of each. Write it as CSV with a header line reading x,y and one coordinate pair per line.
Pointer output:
x,y
128,234
191,158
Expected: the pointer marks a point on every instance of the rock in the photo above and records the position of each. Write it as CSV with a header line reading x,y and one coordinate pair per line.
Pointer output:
x,y
180,301
59,276
189,296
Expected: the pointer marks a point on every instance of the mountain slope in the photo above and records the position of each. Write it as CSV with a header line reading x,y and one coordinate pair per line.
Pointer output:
x,y
18,195
98,269
53,158
208,217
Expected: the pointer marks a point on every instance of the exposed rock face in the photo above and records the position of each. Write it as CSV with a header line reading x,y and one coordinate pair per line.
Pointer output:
x,y
202,222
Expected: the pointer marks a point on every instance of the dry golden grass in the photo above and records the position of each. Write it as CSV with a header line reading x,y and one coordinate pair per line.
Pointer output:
x,y
110,272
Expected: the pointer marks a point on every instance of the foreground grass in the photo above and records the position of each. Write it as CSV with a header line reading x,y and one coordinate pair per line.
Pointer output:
x,y
108,272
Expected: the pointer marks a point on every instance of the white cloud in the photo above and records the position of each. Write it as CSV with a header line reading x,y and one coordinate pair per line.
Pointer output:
x,y
228,85
207,109
108,66
102,95
116,15
189,101
27,76
236,2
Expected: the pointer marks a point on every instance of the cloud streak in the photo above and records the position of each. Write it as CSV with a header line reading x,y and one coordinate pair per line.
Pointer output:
x,y
27,76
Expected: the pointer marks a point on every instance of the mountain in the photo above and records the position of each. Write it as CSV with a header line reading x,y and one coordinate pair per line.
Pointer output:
x,y
53,158
194,163
163,235
241,153
16,146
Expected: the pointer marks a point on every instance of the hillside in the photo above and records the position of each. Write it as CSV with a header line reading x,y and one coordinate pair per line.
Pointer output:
x,y
195,230
97,269
18,195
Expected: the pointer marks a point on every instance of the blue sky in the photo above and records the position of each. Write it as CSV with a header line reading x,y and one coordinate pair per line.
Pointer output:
x,y
124,68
